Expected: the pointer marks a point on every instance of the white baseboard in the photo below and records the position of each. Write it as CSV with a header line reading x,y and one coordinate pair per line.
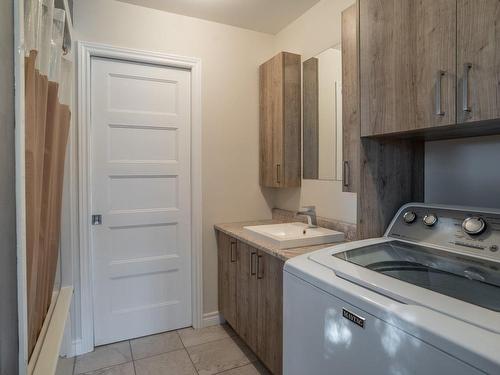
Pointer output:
x,y
212,319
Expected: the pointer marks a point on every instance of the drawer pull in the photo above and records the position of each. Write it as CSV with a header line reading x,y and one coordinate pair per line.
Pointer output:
x,y
465,87
233,251
260,273
439,79
252,264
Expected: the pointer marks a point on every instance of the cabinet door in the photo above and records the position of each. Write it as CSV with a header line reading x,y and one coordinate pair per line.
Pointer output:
x,y
280,111
350,100
291,133
407,65
270,311
478,60
227,263
271,122
246,300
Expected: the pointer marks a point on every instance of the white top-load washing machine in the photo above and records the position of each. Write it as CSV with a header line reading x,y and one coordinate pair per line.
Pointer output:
x,y
423,299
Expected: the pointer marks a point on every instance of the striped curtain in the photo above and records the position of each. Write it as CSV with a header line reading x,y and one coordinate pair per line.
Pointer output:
x,y
48,78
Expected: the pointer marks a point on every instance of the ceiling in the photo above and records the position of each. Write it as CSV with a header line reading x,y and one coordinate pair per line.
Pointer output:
x,y
269,16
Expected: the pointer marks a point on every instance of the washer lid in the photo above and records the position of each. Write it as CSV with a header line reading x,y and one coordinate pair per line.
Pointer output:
x,y
473,280
471,302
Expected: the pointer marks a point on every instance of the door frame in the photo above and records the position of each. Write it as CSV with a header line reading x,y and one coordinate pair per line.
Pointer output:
x,y
87,51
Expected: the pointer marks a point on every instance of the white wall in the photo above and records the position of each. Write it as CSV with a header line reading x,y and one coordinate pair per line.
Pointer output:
x,y
312,33
463,172
230,58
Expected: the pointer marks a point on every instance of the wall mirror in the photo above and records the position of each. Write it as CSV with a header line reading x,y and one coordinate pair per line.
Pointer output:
x,y
322,111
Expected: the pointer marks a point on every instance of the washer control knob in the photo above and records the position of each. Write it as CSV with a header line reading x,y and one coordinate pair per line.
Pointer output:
x,y
409,217
474,225
430,220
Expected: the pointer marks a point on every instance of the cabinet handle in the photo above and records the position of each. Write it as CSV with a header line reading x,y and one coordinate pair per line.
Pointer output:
x,y
278,173
439,78
465,88
252,262
345,173
233,252
259,270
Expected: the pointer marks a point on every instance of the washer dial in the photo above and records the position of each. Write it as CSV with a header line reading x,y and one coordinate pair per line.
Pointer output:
x,y
430,219
409,217
474,225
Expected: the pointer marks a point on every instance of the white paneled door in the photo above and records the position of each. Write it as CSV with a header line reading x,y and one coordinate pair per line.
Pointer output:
x,y
140,151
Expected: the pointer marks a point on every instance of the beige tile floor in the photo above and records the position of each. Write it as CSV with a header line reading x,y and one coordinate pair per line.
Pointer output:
x,y
207,351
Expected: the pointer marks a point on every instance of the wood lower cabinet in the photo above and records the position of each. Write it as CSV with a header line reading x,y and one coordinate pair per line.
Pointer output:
x,y
247,295
227,263
478,60
270,311
256,311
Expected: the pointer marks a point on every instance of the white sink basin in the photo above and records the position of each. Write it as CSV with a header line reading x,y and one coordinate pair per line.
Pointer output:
x,y
288,235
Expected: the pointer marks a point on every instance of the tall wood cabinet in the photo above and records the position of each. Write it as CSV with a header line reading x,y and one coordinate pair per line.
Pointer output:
x,y
350,100
280,121
256,310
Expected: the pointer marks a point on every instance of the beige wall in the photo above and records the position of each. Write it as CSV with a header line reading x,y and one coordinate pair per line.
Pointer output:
x,y
312,33
230,58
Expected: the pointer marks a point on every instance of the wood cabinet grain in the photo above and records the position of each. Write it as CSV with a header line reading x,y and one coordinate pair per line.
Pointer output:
x,y
227,270
407,65
350,100
280,121
478,60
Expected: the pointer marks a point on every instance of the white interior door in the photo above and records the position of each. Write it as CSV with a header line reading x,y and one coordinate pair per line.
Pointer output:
x,y
140,120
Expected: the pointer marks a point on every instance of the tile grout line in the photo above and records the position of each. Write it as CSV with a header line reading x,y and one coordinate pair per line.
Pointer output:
x,y
132,355
187,352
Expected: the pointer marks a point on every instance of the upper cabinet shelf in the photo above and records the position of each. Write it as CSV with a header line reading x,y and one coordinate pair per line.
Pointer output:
x,y
428,65
280,120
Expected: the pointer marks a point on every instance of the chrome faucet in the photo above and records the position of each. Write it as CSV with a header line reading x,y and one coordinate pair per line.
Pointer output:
x,y
310,213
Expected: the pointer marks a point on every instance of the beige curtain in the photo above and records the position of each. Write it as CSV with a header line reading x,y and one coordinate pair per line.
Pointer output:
x,y
46,130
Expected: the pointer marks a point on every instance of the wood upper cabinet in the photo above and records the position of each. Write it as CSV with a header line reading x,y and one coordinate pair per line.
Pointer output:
x,y
350,100
246,300
270,311
407,65
227,263
478,60
280,119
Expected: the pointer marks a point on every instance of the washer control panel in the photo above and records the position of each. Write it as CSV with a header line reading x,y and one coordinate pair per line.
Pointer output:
x,y
461,229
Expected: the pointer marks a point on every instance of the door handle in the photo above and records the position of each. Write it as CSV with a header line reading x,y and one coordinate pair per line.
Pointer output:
x,y
252,262
345,173
96,219
465,88
278,173
233,251
260,274
439,79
